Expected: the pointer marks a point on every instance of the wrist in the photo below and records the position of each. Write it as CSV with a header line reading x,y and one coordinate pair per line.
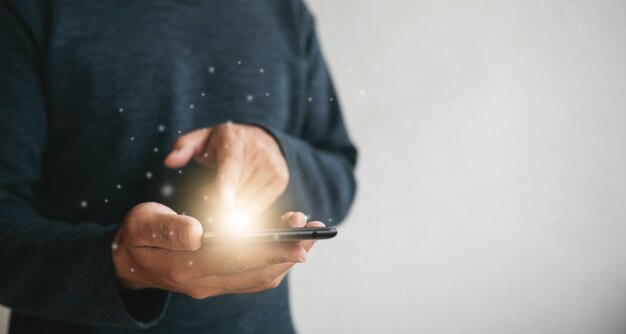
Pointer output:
x,y
124,271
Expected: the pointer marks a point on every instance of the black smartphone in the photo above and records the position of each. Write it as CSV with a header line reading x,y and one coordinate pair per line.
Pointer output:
x,y
270,235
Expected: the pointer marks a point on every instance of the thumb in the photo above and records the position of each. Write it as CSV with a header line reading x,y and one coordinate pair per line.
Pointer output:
x,y
173,232
186,147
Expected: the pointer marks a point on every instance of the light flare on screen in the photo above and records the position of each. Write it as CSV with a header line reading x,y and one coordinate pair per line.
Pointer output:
x,y
238,221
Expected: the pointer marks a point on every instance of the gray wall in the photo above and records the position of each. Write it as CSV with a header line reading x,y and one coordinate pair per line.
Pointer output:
x,y
493,141
492,174
4,313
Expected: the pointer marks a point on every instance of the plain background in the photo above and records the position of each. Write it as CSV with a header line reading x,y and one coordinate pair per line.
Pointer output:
x,y
492,172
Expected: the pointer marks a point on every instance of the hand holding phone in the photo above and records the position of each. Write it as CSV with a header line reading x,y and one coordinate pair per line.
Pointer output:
x,y
175,261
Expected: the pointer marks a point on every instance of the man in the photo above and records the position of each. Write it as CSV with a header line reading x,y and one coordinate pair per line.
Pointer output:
x,y
93,94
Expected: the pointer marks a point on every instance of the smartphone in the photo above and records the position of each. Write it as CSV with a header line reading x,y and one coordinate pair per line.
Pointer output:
x,y
270,235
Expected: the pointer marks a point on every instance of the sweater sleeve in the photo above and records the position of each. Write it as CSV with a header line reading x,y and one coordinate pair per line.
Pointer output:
x,y
319,153
49,268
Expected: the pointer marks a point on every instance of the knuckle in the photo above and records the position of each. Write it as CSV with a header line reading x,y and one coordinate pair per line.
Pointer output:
x,y
283,176
176,277
277,163
275,282
197,293
273,164
132,215
216,144
227,129
266,281
165,235
133,227
236,129
218,132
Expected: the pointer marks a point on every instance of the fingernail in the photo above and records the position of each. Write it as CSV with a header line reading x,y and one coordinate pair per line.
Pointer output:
x,y
299,259
302,259
286,215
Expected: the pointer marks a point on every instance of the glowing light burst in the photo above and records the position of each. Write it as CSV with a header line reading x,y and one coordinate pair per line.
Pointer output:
x,y
237,221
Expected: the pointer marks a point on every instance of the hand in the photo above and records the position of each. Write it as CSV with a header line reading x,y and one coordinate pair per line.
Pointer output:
x,y
157,248
251,171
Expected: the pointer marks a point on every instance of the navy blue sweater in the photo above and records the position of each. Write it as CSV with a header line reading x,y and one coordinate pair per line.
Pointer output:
x,y
92,96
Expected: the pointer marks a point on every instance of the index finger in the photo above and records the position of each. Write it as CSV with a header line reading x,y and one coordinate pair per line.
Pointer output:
x,y
229,164
186,147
